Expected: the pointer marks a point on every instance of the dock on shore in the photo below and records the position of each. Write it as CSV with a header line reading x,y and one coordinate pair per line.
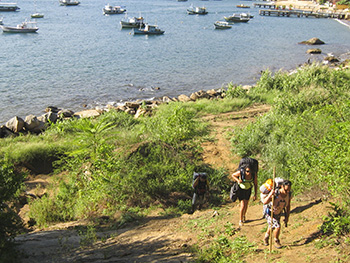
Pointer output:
x,y
302,13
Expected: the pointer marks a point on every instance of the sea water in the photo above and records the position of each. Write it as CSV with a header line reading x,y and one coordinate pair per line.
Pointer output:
x,y
82,58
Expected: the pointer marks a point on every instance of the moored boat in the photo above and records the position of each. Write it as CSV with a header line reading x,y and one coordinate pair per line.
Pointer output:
x,y
133,22
197,10
69,2
243,6
222,25
113,10
236,17
7,7
37,15
148,30
24,27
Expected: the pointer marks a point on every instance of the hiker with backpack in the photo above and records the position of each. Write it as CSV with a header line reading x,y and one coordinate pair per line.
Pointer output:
x,y
200,185
246,177
281,197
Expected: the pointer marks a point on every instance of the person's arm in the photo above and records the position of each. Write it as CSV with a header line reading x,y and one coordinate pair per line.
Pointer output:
x,y
195,183
286,216
268,198
255,187
235,177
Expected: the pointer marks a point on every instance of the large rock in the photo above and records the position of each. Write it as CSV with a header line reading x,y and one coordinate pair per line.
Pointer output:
x,y
49,117
199,95
5,132
184,98
312,41
64,113
33,124
314,51
16,124
87,114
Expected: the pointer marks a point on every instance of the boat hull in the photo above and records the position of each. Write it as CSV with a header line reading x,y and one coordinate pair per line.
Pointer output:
x,y
9,8
8,29
37,16
131,25
145,32
190,12
236,19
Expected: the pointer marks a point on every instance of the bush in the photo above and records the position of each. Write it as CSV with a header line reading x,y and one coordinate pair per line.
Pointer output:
x,y
10,184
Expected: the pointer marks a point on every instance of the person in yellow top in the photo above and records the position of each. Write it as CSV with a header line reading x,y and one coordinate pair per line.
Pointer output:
x,y
246,177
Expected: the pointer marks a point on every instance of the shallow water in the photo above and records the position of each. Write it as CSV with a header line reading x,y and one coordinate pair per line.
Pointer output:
x,y
81,57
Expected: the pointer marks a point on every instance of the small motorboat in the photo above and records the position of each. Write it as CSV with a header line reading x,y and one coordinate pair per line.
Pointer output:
x,y
236,17
133,22
243,6
69,2
37,15
197,11
24,27
222,25
113,10
148,30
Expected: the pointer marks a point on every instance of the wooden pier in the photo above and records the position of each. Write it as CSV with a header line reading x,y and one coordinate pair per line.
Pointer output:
x,y
265,5
300,13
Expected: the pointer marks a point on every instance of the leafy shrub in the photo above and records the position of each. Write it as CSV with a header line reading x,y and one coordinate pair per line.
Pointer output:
x,y
337,222
10,184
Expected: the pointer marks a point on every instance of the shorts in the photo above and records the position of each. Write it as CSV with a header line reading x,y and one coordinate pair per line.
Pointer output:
x,y
244,194
275,222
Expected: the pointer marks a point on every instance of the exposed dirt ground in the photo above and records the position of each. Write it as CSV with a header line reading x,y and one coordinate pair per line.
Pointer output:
x,y
162,239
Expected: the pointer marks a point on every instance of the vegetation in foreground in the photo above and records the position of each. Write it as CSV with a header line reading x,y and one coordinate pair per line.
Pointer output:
x,y
116,165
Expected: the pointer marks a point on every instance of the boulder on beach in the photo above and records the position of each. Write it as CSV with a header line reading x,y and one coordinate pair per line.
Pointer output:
x,y
199,95
16,124
5,132
314,51
33,124
87,113
332,59
184,98
313,41
49,117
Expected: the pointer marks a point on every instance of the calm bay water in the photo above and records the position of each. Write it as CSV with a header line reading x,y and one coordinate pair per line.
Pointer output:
x,y
81,57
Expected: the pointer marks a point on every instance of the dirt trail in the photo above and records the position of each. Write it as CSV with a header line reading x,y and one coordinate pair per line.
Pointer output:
x,y
164,239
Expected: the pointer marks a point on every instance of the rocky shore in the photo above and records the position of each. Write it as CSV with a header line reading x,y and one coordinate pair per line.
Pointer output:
x,y
32,124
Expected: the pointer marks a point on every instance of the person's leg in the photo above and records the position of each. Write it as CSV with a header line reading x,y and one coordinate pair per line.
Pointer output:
x,y
267,236
245,208
194,201
200,201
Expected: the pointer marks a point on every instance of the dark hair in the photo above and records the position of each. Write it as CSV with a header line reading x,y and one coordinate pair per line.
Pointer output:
x,y
287,182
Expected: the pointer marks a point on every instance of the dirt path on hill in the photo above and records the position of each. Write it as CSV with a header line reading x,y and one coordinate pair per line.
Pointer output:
x,y
162,239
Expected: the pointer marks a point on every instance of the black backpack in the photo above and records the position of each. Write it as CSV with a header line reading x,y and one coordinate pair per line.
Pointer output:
x,y
234,192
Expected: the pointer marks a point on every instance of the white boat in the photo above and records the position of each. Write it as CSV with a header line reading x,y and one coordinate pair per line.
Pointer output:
x,y
222,25
238,17
24,27
7,7
197,10
133,22
37,15
148,30
69,2
112,10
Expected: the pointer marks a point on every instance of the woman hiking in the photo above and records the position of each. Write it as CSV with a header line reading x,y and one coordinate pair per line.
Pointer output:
x,y
281,202
246,177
